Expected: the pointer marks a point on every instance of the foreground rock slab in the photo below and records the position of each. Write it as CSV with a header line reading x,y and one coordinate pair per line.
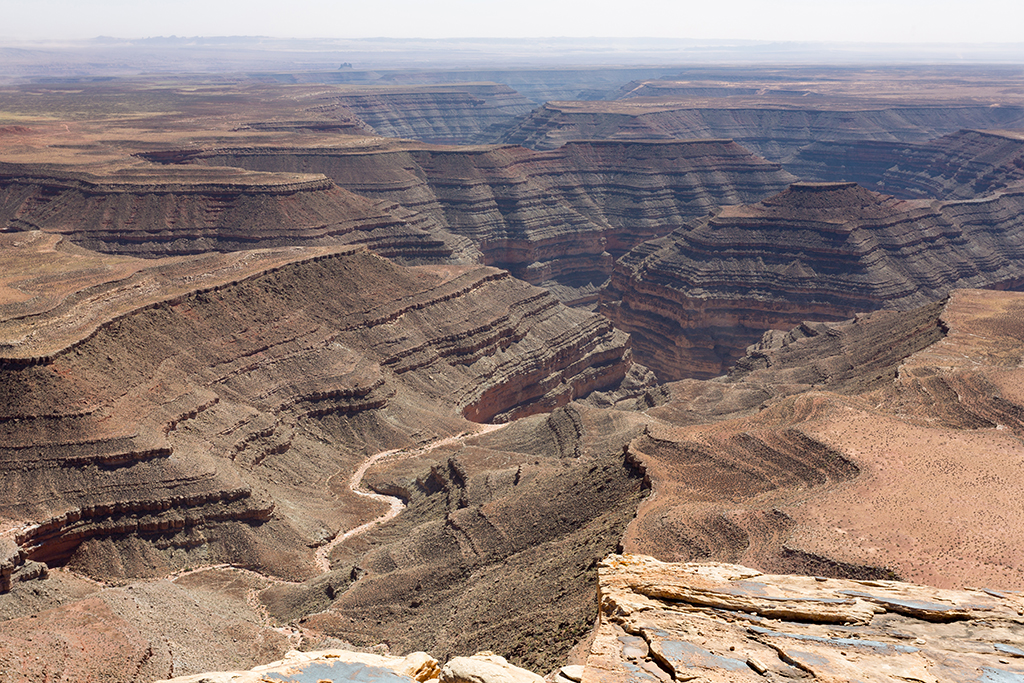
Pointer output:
x,y
719,622
345,665
485,667
329,665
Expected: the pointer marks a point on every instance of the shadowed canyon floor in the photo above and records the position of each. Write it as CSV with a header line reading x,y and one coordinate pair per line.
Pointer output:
x,y
270,379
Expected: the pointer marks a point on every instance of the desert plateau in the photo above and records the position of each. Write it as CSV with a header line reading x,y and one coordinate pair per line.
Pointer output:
x,y
509,372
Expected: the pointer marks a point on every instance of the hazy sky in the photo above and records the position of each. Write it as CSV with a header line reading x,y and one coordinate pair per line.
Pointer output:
x,y
902,21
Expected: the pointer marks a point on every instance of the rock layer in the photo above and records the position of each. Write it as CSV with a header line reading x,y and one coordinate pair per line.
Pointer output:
x,y
695,299
718,622
160,212
963,165
556,218
771,130
463,113
147,422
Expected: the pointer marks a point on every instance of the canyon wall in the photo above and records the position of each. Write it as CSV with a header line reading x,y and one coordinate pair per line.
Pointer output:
x,y
155,416
774,132
962,165
557,218
465,113
160,212
695,299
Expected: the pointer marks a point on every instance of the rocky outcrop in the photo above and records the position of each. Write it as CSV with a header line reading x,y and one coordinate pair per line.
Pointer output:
x,y
695,299
772,130
158,211
963,165
149,415
485,667
557,218
719,622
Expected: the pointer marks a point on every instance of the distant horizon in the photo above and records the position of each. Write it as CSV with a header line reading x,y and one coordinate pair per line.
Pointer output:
x,y
106,56
456,39
904,22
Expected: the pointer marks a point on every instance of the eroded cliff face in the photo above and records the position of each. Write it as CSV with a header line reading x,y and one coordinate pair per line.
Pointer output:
x,y
775,132
463,113
155,416
157,211
695,299
963,165
558,218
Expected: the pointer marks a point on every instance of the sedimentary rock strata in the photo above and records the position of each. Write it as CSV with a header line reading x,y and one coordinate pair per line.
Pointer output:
x,y
775,132
286,446
463,113
557,218
152,415
159,212
963,165
695,299
502,533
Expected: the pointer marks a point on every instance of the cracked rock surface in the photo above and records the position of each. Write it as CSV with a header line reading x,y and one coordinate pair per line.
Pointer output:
x,y
721,622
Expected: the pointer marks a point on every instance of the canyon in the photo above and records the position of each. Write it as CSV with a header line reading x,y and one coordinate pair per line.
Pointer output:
x,y
777,112
695,299
556,219
423,362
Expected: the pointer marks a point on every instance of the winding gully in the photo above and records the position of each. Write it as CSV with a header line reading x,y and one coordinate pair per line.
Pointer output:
x,y
395,504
